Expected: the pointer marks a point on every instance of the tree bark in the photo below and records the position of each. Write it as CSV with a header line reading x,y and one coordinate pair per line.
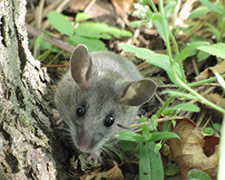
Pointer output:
x,y
28,146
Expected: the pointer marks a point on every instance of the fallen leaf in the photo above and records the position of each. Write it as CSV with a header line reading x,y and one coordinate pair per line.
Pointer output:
x,y
110,171
209,72
216,99
194,150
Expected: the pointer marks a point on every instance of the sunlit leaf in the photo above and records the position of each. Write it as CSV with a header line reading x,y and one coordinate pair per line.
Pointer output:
x,y
60,23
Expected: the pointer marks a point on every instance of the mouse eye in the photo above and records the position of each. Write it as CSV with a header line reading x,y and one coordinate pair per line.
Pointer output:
x,y
108,121
81,111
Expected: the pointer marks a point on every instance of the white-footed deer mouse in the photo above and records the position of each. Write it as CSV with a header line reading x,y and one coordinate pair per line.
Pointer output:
x,y
100,90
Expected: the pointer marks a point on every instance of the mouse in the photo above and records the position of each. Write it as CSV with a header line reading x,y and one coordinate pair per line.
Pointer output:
x,y
100,91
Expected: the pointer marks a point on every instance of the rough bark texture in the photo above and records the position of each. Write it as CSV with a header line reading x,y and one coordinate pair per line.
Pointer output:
x,y
26,133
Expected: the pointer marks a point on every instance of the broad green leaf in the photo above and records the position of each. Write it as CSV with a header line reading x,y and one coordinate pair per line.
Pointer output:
x,y
182,107
198,12
215,49
127,145
187,51
201,56
82,16
100,30
144,163
159,60
147,157
195,173
214,7
157,172
156,136
129,136
60,23
181,94
91,43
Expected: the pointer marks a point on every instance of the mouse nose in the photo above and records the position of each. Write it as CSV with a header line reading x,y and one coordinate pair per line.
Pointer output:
x,y
83,145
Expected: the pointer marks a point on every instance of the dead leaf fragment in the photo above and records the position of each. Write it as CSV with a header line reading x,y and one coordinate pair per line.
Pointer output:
x,y
209,72
111,172
216,99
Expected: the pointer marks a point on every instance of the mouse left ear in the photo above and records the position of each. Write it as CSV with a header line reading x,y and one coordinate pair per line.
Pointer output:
x,y
138,92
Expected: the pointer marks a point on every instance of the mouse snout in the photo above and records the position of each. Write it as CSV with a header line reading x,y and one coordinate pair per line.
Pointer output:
x,y
87,144
84,145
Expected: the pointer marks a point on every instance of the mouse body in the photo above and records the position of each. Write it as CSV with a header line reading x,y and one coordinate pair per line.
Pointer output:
x,y
100,91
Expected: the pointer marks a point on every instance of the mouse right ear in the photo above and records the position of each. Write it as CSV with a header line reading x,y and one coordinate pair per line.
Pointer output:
x,y
82,69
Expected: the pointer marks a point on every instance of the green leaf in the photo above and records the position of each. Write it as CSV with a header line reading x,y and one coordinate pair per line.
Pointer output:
x,y
144,163
159,26
195,173
215,49
156,136
60,23
159,60
147,157
82,16
145,129
201,56
214,29
168,9
100,30
127,145
129,136
92,44
217,126
181,94
187,51
182,107
214,7
198,12
171,169
209,131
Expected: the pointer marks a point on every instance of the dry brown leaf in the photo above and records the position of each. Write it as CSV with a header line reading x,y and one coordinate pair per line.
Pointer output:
x,y
111,172
209,72
193,150
216,99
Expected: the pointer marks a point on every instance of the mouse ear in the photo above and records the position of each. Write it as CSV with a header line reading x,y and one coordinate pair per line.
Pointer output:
x,y
138,92
82,69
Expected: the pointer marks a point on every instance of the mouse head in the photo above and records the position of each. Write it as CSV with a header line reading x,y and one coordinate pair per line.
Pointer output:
x,y
101,101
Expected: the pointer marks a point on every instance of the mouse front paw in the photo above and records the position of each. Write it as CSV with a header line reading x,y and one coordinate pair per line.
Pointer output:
x,y
95,156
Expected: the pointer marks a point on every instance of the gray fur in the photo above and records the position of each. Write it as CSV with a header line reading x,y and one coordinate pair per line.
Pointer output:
x,y
106,84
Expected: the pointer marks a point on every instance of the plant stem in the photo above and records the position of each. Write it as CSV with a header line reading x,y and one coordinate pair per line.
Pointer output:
x,y
166,104
204,81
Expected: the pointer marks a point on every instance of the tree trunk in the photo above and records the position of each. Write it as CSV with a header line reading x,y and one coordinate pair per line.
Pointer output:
x,y
27,141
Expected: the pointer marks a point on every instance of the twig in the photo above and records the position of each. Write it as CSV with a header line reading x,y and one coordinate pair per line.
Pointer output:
x,y
56,42
199,27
